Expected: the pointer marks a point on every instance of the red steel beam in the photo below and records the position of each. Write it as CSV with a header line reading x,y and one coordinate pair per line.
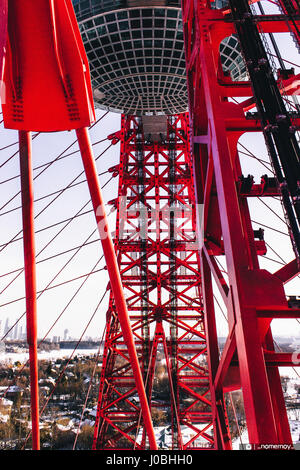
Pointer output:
x,y
114,274
30,277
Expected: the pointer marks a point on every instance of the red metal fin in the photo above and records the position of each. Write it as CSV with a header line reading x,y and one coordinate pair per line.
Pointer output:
x,y
50,69
3,33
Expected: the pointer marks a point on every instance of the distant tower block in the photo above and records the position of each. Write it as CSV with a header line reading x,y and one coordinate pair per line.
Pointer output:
x,y
136,54
16,331
6,327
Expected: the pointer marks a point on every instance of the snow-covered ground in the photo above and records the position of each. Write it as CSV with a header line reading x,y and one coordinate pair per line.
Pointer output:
x,y
11,358
163,434
293,415
242,441
291,372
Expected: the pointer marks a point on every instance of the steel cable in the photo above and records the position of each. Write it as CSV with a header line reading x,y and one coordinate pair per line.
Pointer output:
x,y
52,239
66,365
50,163
55,322
53,161
54,199
69,220
58,191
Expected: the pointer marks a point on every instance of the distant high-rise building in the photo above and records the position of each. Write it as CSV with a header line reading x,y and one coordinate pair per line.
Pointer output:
x,y
15,332
6,327
66,331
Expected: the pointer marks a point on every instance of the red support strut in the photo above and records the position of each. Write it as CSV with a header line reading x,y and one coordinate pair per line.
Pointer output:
x,y
30,277
114,274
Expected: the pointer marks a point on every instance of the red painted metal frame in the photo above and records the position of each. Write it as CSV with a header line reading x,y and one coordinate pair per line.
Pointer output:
x,y
252,296
160,275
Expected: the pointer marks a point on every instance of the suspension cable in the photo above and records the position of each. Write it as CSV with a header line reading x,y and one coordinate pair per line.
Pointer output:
x,y
54,287
271,228
56,255
59,191
55,198
16,153
66,365
54,323
52,239
282,220
70,219
235,417
53,161
248,153
50,163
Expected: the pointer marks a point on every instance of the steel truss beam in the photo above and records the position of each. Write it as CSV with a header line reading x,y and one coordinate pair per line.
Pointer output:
x,y
159,266
252,296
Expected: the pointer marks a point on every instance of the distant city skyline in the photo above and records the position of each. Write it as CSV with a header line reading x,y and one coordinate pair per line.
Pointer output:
x,y
9,331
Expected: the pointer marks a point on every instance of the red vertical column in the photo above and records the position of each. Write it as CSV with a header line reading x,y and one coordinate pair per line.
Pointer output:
x,y
30,277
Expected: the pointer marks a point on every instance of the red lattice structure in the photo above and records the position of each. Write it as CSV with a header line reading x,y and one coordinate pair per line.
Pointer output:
x,y
252,296
159,266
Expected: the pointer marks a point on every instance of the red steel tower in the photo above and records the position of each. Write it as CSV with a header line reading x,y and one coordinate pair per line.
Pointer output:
x,y
159,264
